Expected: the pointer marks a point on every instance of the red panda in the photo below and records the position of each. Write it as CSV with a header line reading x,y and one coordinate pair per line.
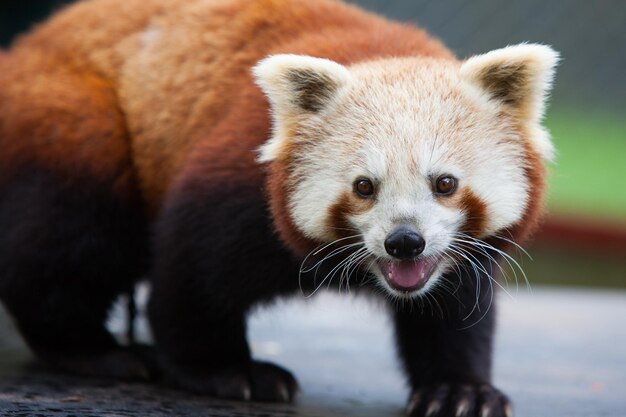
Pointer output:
x,y
235,151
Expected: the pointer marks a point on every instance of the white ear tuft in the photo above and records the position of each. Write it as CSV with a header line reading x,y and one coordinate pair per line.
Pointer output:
x,y
297,83
297,86
520,77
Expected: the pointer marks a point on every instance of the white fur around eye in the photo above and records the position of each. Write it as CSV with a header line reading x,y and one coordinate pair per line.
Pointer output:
x,y
401,122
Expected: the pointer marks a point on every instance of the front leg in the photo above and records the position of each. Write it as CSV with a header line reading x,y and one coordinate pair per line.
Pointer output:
x,y
215,258
446,349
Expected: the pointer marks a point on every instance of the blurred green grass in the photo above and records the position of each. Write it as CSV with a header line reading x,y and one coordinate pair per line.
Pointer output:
x,y
589,174
588,180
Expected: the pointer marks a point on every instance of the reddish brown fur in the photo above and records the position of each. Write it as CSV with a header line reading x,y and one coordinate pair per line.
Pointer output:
x,y
66,120
475,213
155,99
536,173
277,187
60,89
73,64
347,205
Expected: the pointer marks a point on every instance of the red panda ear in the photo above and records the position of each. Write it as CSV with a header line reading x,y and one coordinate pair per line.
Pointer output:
x,y
520,77
300,83
297,86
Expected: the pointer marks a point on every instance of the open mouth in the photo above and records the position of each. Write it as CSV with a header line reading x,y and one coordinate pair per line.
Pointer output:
x,y
408,275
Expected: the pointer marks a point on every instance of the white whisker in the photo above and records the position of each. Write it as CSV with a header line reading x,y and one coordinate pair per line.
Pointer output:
x,y
513,264
320,248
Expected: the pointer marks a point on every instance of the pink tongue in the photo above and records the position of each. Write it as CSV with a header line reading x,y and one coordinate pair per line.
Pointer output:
x,y
408,275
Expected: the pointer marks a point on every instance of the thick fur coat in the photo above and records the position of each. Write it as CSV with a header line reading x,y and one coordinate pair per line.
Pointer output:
x,y
239,150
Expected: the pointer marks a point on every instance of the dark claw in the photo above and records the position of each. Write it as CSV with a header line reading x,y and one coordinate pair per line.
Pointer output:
x,y
230,385
414,402
272,383
262,381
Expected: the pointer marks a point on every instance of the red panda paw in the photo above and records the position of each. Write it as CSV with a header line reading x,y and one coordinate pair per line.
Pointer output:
x,y
262,381
446,400
270,382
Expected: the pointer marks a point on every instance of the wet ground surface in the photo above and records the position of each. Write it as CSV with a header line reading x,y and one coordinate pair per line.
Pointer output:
x,y
560,352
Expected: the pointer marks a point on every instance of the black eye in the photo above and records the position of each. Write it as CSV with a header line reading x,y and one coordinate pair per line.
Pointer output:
x,y
364,188
445,185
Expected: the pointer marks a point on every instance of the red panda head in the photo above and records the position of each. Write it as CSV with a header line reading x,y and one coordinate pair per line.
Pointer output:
x,y
412,158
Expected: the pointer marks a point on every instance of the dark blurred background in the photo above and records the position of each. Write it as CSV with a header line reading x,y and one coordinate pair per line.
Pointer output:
x,y
17,16
584,238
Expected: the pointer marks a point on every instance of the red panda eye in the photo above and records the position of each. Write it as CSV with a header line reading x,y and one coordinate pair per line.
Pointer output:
x,y
445,185
364,187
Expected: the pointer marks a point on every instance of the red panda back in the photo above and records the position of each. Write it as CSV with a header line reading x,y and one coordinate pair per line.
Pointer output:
x,y
172,73
199,81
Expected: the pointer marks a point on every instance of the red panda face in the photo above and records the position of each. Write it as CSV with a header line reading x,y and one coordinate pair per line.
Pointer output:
x,y
410,160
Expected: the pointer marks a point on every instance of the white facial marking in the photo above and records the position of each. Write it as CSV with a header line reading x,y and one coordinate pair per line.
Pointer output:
x,y
402,123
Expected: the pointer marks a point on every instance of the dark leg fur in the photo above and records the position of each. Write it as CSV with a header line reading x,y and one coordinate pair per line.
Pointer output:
x,y
447,349
216,256
67,249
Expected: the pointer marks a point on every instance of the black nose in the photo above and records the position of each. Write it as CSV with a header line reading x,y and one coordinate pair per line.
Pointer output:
x,y
404,243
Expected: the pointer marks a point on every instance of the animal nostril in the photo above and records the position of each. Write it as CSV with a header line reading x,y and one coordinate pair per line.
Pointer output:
x,y
404,243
